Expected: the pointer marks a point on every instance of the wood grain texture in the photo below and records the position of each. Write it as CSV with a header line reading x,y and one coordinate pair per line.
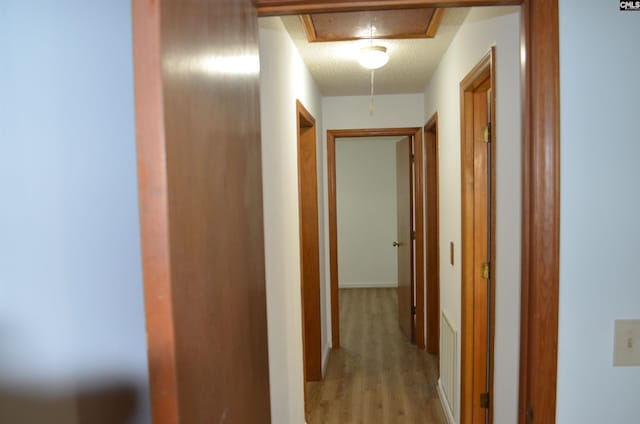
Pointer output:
x,y
309,29
297,7
432,227
199,155
333,240
309,244
419,244
541,213
388,24
154,212
434,23
332,135
377,376
477,205
405,244
481,229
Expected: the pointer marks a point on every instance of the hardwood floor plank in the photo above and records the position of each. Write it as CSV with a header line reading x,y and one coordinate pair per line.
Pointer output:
x,y
377,376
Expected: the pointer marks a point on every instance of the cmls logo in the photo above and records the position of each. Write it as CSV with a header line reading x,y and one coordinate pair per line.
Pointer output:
x,y
629,5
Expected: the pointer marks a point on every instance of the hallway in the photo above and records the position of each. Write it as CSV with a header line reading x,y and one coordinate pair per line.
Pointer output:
x,y
377,376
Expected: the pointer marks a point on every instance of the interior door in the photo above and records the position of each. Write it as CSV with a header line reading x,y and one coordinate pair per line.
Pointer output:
x,y
403,243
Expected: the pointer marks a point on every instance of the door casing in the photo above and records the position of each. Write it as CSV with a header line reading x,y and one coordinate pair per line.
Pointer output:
x,y
432,234
309,244
541,192
416,133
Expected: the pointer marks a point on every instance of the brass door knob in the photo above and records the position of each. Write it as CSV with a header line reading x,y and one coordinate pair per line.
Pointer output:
x,y
396,244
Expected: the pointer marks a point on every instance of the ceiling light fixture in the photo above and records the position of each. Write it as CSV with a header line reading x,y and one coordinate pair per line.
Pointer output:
x,y
373,57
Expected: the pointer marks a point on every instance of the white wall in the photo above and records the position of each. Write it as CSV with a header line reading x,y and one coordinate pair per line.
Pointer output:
x,y
483,28
283,79
71,306
393,110
600,206
366,212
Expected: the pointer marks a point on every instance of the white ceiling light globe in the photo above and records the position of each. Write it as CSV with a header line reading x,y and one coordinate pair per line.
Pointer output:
x,y
373,57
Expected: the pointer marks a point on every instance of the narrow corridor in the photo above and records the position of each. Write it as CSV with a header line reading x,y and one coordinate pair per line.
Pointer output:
x,y
377,376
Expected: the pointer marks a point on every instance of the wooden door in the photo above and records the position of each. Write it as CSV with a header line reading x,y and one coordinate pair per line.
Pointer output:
x,y
404,243
478,222
200,188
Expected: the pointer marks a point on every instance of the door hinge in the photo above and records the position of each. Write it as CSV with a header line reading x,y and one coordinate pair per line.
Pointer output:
x,y
413,235
413,157
484,400
486,133
413,310
486,270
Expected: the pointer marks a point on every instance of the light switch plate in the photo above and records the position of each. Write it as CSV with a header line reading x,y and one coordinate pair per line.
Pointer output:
x,y
626,348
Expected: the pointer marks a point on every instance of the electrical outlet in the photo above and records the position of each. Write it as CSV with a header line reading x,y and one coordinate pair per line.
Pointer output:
x,y
626,348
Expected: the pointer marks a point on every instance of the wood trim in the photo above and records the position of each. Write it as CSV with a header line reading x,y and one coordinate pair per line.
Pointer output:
x,y
415,132
333,240
432,238
431,30
380,37
541,213
418,222
298,7
466,256
154,213
434,23
492,260
476,78
304,117
309,28
309,244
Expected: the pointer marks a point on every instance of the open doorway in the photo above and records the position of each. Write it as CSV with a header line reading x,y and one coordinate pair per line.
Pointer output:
x,y
170,144
376,228
411,288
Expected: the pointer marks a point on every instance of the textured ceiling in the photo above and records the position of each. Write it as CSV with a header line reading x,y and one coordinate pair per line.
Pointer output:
x,y
412,61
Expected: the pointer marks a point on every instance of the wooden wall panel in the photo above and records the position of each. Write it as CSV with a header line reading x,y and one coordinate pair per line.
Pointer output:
x,y
208,201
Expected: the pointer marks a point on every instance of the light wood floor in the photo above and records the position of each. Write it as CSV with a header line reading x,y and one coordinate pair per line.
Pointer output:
x,y
377,376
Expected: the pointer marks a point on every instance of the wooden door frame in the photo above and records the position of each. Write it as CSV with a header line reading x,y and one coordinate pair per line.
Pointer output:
x,y
540,76
483,70
416,133
432,224
309,290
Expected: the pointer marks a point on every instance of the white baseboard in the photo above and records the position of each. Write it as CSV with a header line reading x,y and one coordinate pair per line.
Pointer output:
x,y
371,285
445,404
325,360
